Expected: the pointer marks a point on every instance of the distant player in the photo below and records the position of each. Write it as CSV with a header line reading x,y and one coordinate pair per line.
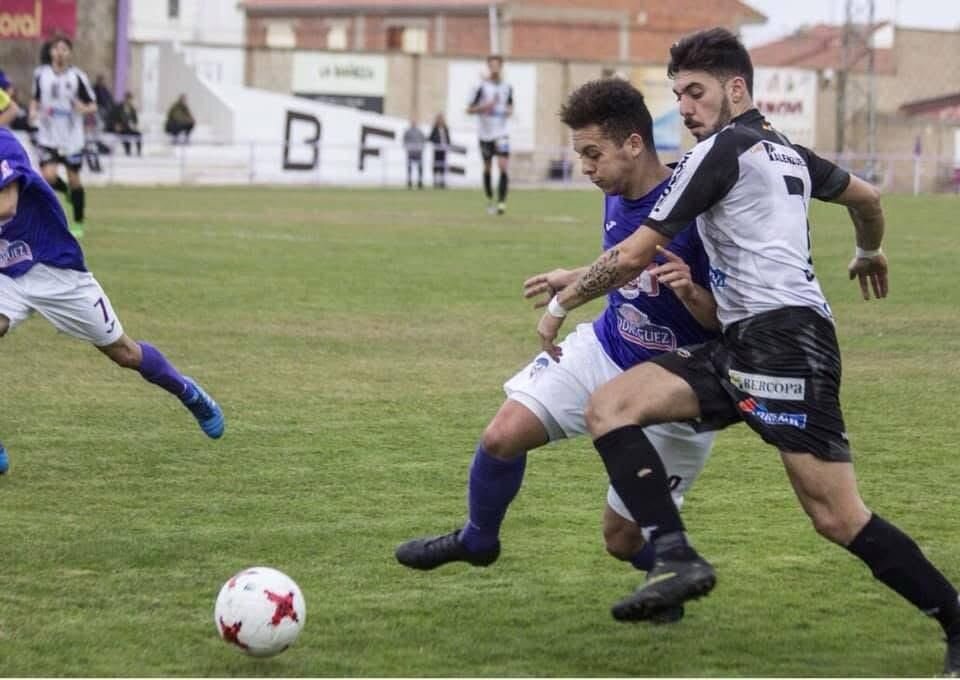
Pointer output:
x,y
662,308
493,103
62,96
42,270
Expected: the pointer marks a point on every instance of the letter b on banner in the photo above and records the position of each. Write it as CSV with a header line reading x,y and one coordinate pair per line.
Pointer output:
x,y
301,141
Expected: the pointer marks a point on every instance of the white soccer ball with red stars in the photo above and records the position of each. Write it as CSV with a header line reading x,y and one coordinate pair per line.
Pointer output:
x,y
260,611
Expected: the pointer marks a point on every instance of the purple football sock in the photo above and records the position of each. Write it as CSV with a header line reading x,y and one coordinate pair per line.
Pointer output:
x,y
644,558
493,484
155,368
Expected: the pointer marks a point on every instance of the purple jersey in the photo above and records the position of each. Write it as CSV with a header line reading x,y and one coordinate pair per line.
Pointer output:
x,y
38,233
644,318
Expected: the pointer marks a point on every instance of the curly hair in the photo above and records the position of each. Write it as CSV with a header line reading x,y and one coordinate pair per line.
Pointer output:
x,y
716,51
613,104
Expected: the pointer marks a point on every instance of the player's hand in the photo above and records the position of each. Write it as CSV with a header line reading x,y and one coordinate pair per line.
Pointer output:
x,y
547,284
674,273
547,329
872,273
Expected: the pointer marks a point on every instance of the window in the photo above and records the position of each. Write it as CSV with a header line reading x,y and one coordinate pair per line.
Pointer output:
x,y
394,37
337,37
410,39
280,34
173,9
415,40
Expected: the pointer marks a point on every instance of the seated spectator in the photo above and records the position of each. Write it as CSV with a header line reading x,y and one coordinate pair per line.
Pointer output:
x,y
126,124
180,121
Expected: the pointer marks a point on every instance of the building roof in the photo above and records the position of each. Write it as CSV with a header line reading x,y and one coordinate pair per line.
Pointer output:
x,y
821,47
652,12
353,6
944,107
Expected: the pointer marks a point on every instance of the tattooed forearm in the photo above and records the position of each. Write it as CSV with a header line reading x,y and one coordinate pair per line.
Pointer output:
x,y
602,275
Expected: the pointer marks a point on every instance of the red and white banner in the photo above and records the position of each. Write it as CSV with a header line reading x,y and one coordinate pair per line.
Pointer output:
x,y
37,19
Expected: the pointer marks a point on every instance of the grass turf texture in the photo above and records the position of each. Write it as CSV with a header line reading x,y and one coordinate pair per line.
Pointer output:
x,y
357,341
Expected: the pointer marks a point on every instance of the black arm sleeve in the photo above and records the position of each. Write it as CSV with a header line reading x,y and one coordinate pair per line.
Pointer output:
x,y
829,180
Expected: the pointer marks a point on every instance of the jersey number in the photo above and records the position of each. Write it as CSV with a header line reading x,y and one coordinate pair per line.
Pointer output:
x,y
795,188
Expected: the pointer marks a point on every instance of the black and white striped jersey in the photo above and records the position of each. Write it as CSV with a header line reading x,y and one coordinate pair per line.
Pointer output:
x,y
492,125
749,190
59,126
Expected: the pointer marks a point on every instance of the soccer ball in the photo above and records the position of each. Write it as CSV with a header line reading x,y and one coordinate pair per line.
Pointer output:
x,y
260,610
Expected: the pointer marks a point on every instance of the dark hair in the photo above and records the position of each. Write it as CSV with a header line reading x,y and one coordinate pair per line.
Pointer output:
x,y
716,51
613,104
491,57
61,38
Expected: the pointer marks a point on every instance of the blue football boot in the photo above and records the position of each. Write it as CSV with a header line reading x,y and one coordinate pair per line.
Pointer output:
x,y
207,412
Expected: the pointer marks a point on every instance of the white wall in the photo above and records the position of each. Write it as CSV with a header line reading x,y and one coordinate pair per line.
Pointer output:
x,y
217,22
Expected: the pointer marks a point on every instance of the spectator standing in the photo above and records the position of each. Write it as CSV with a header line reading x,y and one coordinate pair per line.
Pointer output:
x,y
440,138
414,141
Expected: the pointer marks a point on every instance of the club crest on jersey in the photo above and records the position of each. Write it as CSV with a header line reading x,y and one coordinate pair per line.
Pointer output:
x,y
635,327
537,366
751,408
14,252
5,169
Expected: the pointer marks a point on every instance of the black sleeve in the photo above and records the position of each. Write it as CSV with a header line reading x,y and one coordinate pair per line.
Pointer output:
x,y
510,95
36,86
84,91
477,95
702,177
829,180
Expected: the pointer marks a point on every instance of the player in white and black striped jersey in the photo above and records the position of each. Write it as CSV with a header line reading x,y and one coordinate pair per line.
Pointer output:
x,y
62,96
777,365
492,102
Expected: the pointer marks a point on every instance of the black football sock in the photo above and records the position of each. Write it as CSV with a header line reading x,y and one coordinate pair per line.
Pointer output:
x,y
896,560
502,187
78,198
59,185
639,478
488,184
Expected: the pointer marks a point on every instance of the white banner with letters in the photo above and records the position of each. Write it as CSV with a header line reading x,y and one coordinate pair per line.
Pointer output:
x,y
787,97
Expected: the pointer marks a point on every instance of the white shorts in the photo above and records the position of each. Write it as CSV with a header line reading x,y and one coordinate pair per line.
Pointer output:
x,y
558,392
72,301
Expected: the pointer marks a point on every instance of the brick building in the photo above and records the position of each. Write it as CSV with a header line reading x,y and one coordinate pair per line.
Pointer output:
x,y
916,76
577,30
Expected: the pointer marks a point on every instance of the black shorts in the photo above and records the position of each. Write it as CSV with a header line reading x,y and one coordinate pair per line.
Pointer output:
x,y
495,147
779,372
47,154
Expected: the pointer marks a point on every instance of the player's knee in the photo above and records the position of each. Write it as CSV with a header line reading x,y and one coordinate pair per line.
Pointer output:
x,y
604,412
498,441
4,325
835,526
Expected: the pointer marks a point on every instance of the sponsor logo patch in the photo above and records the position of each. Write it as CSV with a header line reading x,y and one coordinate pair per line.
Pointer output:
x,y
768,386
634,326
760,412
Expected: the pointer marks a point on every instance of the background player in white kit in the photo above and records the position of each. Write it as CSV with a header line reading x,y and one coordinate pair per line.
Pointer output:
x,y
42,270
493,103
662,308
62,96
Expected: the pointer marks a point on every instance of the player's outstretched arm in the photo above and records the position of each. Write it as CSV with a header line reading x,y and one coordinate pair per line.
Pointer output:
x,y
869,265
612,269
549,284
698,300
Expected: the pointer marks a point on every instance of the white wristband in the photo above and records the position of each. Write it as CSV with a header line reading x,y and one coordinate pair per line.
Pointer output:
x,y
868,254
555,309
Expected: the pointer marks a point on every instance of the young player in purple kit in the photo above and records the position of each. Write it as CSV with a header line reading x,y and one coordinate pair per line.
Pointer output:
x,y
42,270
662,308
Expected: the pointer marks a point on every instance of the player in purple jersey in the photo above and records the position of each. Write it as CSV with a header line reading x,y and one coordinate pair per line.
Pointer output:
x,y
776,367
662,308
42,270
